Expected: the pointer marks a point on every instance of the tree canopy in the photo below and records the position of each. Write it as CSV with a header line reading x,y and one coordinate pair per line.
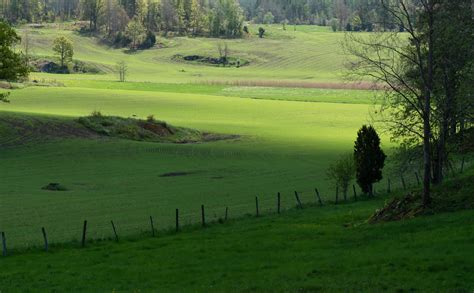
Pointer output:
x,y
12,64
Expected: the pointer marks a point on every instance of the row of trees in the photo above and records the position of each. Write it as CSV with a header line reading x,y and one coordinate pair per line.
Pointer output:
x,y
429,78
196,17
199,17
351,15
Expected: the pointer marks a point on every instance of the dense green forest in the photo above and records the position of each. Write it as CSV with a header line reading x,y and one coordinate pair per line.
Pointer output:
x,y
217,18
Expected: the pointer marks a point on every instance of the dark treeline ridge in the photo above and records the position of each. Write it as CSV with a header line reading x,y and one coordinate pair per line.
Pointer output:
x,y
350,15
215,18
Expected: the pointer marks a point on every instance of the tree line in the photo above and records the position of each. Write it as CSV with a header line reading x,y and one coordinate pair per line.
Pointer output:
x,y
131,21
349,15
216,18
428,74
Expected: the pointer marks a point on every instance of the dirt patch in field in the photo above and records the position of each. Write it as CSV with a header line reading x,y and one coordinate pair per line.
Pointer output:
x,y
55,187
178,173
211,61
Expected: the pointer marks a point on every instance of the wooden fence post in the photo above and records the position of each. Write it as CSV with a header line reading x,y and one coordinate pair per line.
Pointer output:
x,y
4,244
388,186
203,217
319,197
355,193
403,183
256,205
152,227
278,203
417,178
462,164
46,246
115,231
337,194
84,229
298,200
177,220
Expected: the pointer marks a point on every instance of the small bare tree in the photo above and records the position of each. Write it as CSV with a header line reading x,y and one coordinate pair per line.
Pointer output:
x,y
122,69
223,53
26,43
342,172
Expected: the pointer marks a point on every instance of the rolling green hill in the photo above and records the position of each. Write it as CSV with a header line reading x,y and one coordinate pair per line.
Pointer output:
x,y
308,54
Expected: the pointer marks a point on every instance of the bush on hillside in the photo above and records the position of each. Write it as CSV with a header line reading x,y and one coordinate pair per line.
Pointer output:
x,y
149,41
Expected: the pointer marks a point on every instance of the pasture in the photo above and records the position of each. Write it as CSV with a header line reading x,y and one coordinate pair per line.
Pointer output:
x,y
287,136
309,54
329,248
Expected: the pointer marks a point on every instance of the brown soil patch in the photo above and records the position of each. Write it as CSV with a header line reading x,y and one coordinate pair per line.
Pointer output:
x,y
178,173
299,84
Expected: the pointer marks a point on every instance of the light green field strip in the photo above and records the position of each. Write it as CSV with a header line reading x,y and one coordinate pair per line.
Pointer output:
x,y
285,146
306,123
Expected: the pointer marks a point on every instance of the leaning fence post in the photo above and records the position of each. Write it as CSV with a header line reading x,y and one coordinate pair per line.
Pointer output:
x,y
278,202
203,217
84,229
256,205
403,183
298,200
4,244
388,186
46,246
115,231
337,194
319,197
152,227
355,193
177,220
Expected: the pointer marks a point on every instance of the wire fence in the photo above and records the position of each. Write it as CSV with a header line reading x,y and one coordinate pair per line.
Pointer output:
x,y
101,227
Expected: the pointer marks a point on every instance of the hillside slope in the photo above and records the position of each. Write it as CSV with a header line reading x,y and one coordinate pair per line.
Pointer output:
x,y
330,248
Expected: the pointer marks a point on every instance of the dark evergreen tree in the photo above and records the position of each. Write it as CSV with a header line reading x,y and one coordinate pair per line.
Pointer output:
x,y
369,158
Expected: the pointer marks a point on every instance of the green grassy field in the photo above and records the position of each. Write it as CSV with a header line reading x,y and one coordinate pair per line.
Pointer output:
x,y
287,136
329,248
283,146
310,53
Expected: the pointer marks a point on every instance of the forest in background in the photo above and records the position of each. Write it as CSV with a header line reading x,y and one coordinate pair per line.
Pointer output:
x,y
215,18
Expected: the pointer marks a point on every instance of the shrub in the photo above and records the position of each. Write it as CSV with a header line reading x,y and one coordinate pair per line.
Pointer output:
x,y
342,172
151,118
149,42
96,114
